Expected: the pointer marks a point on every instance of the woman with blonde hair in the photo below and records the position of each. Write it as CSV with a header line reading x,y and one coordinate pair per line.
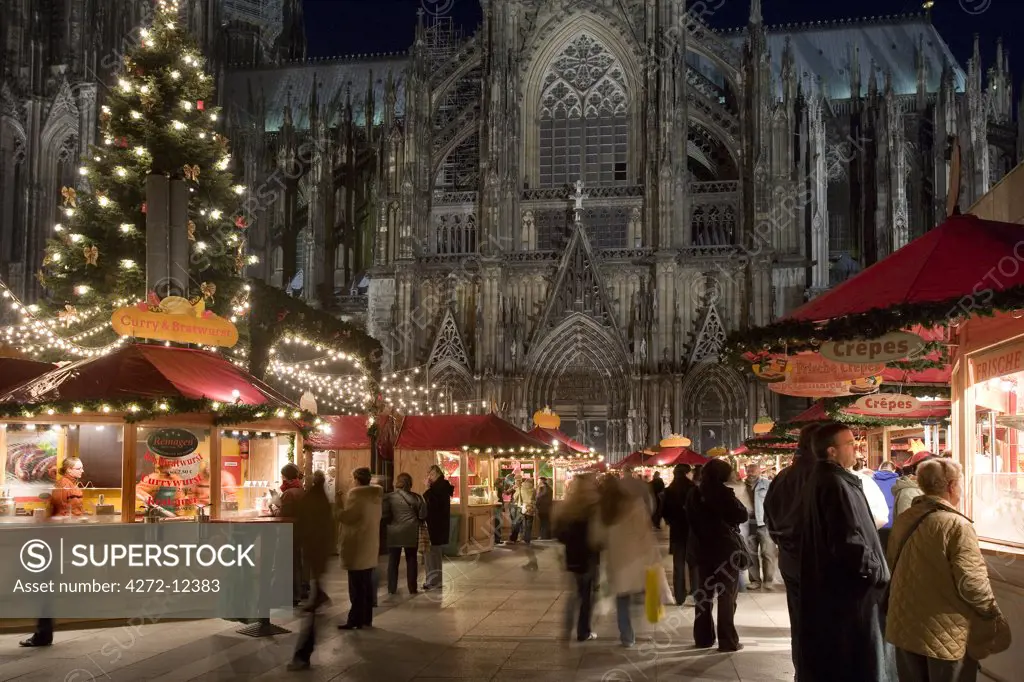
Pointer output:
x,y
572,520
942,617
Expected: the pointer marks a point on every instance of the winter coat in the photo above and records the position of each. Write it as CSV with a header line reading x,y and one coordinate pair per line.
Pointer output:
x,y
402,512
360,527
783,513
886,480
843,575
526,498
545,500
574,533
674,511
314,529
940,587
629,546
715,516
439,510
876,499
758,490
903,493
657,486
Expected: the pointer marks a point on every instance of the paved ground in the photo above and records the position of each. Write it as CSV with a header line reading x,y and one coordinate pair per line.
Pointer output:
x,y
495,621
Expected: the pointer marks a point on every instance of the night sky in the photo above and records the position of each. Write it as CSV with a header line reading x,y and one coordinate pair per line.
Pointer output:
x,y
344,27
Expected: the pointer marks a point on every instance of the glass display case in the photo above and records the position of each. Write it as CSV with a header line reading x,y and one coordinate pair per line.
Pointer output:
x,y
998,480
479,481
450,465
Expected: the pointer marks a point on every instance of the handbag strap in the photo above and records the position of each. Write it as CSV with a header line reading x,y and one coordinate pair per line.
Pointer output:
x,y
906,539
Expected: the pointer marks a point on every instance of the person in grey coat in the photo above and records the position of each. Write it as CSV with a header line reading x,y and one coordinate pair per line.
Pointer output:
x,y
404,511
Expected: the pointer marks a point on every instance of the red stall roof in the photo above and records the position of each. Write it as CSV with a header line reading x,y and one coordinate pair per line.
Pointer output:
x,y
346,433
548,435
140,372
643,459
455,431
16,371
679,455
944,264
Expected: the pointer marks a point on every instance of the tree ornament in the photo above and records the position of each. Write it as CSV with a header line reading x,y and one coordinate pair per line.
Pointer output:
x,y
70,196
143,207
208,290
68,315
199,105
191,231
91,254
191,172
239,262
121,142
241,223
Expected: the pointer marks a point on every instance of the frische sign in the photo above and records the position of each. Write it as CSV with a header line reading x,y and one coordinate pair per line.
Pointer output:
x,y
886,405
997,363
887,348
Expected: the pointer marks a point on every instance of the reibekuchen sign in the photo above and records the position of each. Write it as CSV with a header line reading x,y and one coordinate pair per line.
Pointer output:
x,y
892,346
886,405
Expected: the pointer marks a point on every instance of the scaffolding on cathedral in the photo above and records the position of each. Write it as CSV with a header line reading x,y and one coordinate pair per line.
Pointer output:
x,y
267,15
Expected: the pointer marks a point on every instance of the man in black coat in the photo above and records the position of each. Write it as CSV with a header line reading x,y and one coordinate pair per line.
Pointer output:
x,y
674,512
843,572
783,511
438,497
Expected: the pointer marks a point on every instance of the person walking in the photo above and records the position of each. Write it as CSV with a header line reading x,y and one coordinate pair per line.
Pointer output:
x,y
657,497
684,573
360,546
526,499
763,554
515,512
288,508
572,528
403,512
783,516
545,502
622,529
718,550
943,617
438,497
315,530
843,573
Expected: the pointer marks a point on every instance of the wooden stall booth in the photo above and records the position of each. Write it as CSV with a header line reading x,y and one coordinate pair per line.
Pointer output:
x,y
555,469
162,432
343,445
465,447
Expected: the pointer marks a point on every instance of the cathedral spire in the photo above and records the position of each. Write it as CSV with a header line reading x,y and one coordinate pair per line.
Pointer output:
x,y
755,12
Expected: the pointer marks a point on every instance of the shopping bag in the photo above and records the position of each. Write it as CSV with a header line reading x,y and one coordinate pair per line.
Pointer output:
x,y
667,599
652,596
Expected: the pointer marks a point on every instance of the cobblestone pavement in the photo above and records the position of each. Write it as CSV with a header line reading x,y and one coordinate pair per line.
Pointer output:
x,y
495,620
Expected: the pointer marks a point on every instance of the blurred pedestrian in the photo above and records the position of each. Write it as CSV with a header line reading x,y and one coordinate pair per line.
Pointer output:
x,y
684,573
315,530
360,546
545,501
572,524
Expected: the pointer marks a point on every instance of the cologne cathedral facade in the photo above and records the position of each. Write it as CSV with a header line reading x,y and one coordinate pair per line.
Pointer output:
x,y
570,207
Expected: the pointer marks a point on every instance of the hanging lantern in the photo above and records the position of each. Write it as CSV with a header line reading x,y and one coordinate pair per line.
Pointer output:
x,y
764,425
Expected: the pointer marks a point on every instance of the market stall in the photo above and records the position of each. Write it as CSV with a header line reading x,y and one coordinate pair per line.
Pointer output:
x,y
465,447
344,444
164,431
555,469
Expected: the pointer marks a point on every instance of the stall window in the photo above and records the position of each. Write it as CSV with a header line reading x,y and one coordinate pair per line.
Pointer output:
x,y
250,474
100,448
479,481
998,480
172,468
449,464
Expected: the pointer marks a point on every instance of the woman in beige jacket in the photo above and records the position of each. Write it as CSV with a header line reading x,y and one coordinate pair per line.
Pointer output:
x,y
943,616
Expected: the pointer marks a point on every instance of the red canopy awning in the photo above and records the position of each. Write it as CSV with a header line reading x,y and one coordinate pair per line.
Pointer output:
x,y
642,459
549,435
944,264
455,431
814,413
680,455
15,371
346,433
141,372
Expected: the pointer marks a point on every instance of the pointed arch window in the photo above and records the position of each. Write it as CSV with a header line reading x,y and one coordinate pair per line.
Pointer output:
x,y
584,109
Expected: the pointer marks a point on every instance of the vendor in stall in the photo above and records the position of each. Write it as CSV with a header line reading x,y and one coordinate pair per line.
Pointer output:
x,y
66,499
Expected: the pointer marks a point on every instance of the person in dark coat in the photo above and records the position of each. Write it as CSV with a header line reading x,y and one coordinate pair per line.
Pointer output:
x,y
403,512
438,497
314,528
545,501
715,545
843,572
291,496
657,496
783,514
674,512
572,529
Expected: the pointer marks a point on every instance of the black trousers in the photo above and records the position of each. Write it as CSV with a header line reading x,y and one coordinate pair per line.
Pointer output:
x,y
360,593
585,584
793,604
544,520
683,572
721,581
44,631
307,638
411,568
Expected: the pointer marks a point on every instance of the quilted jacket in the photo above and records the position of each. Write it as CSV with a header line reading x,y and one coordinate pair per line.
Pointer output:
x,y
940,587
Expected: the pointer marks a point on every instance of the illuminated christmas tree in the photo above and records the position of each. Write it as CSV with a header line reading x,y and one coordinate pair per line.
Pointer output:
x,y
157,119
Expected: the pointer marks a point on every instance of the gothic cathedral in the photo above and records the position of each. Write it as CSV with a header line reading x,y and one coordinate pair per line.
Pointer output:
x,y
570,207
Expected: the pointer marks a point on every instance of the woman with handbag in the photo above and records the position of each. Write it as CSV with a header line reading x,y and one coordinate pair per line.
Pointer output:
x,y
942,613
403,512
720,554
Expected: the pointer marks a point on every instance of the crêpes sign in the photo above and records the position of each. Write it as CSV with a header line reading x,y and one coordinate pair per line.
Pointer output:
x,y
885,405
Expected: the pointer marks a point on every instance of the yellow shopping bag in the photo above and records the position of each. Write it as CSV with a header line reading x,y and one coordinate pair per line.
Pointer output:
x,y
652,596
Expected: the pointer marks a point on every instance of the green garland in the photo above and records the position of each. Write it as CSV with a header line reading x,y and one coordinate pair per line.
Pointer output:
x,y
141,410
291,449
800,335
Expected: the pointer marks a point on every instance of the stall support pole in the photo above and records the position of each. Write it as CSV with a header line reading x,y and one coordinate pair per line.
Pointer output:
x,y
215,473
128,473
